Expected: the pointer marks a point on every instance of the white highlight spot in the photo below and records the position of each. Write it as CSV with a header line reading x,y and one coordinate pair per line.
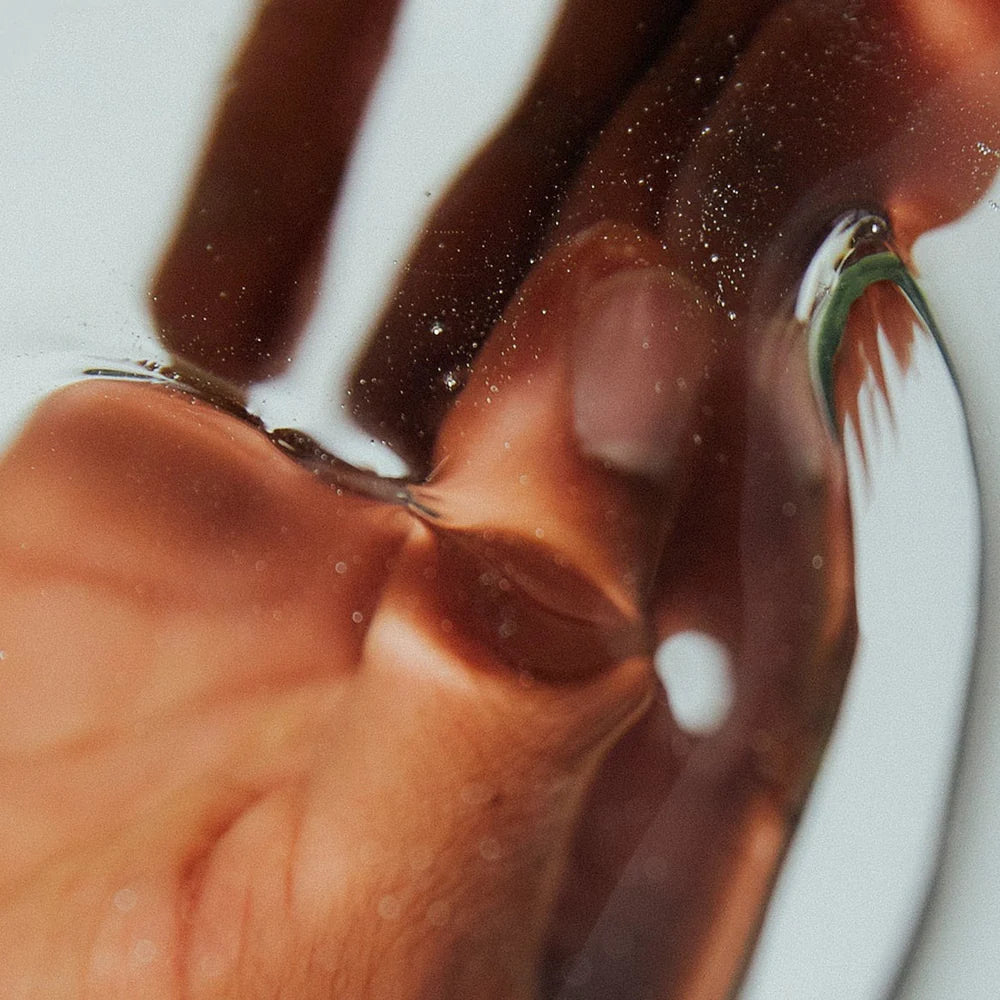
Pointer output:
x,y
696,672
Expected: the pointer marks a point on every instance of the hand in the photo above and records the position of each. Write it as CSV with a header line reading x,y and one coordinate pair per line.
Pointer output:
x,y
262,737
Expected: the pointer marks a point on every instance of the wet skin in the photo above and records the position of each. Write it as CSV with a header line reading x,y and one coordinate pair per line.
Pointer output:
x,y
266,738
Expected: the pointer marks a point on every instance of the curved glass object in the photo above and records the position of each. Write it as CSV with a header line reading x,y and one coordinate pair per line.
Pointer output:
x,y
855,256
853,890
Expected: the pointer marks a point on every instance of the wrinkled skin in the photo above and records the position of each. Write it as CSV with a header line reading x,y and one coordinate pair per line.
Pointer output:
x,y
263,738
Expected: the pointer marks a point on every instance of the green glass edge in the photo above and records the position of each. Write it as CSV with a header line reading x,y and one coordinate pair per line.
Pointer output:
x,y
829,325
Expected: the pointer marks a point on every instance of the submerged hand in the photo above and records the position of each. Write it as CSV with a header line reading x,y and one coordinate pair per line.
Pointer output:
x,y
242,751
262,736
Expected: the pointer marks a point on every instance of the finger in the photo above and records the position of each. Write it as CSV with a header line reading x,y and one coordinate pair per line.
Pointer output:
x,y
670,515
237,279
940,159
673,905
775,591
478,244
545,407
828,113
629,173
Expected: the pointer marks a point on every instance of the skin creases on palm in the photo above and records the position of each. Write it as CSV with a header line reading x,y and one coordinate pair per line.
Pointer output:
x,y
266,737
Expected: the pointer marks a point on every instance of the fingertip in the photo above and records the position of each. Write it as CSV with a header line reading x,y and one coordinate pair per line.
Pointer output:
x,y
638,357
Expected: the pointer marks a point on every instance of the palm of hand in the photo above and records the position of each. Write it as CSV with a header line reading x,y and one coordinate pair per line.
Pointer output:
x,y
252,765
261,741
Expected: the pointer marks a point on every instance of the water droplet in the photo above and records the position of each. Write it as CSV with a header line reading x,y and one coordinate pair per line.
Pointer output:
x,y
340,568
357,617
421,858
125,899
489,849
143,952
